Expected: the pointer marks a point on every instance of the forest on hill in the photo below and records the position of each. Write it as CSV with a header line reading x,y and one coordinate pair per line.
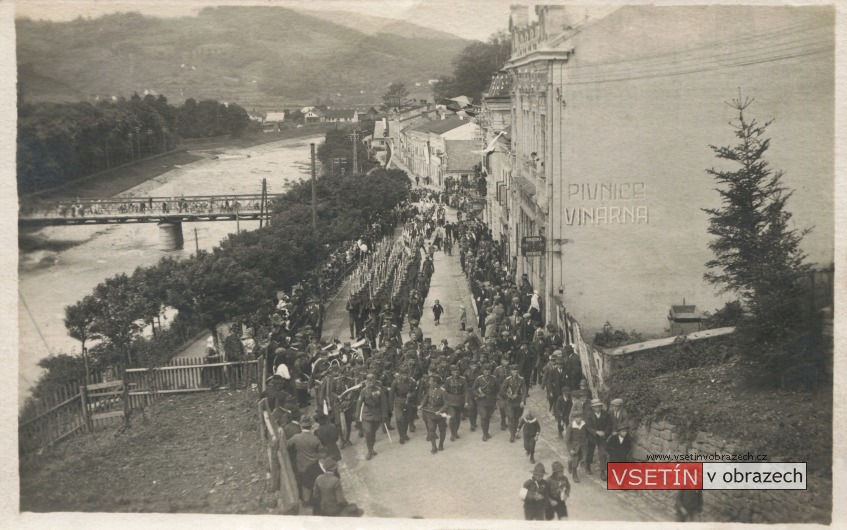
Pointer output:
x,y
255,56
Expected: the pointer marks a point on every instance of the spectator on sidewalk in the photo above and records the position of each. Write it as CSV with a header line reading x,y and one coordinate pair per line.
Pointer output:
x,y
307,450
576,439
463,317
328,496
558,491
534,494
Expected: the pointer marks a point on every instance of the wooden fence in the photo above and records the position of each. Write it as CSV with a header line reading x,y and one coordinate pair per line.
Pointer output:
x,y
283,482
107,400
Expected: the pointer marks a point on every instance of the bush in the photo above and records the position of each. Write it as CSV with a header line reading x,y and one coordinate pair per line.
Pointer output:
x,y
614,338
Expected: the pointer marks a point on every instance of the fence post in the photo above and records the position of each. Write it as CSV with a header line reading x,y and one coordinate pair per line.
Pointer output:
x,y
126,398
86,416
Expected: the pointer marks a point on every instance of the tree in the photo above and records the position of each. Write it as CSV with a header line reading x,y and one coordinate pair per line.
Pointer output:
x,y
757,253
473,68
396,96
80,320
120,314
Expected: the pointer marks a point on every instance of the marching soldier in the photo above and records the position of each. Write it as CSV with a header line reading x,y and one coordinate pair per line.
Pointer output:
x,y
457,399
513,394
484,391
473,410
500,374
372,411
402,398
434,409
342,399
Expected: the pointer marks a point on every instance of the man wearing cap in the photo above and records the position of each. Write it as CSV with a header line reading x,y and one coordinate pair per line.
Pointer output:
x,y
471,374
484,391
278,395
501,373
328,496
599,426
434,410
327,433
513,395
372,411
415,332
342,403
534,494
457,399
619,444
306,448
618,415
401,396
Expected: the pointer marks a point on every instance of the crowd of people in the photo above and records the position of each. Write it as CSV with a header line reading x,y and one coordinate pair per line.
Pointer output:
x,y
390,377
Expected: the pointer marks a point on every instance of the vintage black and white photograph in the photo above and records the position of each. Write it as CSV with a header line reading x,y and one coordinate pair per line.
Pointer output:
x,y
460,264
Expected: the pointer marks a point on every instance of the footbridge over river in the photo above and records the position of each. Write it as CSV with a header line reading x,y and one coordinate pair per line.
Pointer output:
x,y
167,212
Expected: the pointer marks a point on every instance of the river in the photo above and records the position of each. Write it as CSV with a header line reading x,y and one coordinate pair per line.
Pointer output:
x,y
84,256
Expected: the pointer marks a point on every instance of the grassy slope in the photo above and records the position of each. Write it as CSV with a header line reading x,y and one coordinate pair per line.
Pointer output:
x,y
193,453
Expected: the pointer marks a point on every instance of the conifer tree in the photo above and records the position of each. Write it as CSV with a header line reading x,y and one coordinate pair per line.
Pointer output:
x,y
757,250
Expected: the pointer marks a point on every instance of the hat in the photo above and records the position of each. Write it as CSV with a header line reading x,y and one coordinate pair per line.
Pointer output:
x,y
568,348
526,315
539,468
566,390
455,368
513,367
617,401
557,466
529,416
436,377
623,427
328,464
413,321
279,350
306,422
596,403
583,384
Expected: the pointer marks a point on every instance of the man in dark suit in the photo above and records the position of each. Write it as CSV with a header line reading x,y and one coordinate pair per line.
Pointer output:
x,y
372,411
484,391
599,426
572,368
619,445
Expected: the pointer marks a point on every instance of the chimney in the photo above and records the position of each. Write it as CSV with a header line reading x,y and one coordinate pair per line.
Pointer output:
x,y
554,18
519,17
385,127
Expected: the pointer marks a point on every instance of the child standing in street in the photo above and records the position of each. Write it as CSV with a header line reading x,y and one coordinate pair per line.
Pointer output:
x,y
436,312
531,431
463,318
559,489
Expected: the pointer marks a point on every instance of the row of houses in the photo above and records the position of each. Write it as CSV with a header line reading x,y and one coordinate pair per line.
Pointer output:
x,y
273,121
594,138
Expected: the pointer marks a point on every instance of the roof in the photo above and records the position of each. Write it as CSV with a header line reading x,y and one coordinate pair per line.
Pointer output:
x,y
683,312
460,155
335,114
527,187
275,116
380,129
439,126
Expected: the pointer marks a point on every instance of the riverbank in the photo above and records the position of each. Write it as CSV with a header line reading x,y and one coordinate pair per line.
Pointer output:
x,y
113,182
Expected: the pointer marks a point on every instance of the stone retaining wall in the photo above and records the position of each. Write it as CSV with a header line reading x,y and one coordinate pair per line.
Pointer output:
x,y
813,505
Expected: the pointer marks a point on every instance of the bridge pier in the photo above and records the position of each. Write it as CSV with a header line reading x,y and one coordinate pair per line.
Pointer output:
x,y
170,235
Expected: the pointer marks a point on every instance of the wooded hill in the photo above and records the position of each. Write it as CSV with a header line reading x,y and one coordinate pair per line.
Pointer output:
x,y
259,57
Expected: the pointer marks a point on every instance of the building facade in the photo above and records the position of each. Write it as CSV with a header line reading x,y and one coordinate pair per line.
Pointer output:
x,y
612,116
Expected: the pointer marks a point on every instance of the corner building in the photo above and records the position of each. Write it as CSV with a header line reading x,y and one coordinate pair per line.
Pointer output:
x,y
612,114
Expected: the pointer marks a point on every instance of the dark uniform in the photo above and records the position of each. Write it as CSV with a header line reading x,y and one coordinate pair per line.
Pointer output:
x,y
372,411
434,407
513,394
484,392
473,411
457,396
501,373
402,398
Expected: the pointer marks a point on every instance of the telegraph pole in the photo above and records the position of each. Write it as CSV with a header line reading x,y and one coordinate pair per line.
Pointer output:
x,y
264,198
355,158
196,242
314,194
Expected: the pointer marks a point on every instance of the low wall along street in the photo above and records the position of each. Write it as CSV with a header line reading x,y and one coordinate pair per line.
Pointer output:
x,y
769,506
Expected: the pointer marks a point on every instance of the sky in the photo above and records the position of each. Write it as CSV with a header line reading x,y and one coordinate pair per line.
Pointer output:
x,y
470,19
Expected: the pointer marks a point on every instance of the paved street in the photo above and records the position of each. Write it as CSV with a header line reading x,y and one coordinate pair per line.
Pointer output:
x,y
470,479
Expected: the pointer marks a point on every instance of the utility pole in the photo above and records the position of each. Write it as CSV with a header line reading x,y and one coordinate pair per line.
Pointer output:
x,y
355,158
263,206
314,194
196,242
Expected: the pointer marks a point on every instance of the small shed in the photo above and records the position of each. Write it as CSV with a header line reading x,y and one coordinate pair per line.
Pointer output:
x,y
685,319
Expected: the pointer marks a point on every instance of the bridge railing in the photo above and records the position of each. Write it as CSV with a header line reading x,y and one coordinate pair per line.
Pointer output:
x,y
206,204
